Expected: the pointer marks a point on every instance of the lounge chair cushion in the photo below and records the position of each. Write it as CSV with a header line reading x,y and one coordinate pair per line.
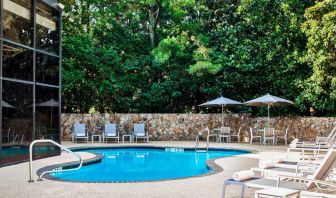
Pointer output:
x,y
261,183
79,130
110,130
139,130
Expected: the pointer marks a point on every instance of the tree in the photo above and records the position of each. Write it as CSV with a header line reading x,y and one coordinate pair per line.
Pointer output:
x,y
171,55
320,29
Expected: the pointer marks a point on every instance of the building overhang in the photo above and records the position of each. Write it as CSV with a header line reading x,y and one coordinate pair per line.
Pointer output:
x,y
55,4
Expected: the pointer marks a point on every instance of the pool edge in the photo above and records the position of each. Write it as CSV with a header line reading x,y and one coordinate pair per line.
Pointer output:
x,y
214,168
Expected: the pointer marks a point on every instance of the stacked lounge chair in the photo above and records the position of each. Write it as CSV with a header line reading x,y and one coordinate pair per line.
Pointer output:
x,y
304,183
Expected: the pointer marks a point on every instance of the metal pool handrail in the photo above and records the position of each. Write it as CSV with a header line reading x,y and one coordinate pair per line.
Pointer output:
x,y
51,171
207,143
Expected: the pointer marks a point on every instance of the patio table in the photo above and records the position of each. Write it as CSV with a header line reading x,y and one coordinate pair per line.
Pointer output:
x,y
130,136
95,136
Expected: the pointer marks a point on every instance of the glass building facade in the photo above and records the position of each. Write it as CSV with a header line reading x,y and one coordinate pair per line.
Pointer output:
x,y
30,77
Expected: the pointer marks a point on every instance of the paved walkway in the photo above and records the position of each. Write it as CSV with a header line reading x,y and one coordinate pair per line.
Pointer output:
x,y
13,179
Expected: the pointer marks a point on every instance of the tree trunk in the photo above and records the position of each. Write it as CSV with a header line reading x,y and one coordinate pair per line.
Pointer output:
x,y
152,26
154,12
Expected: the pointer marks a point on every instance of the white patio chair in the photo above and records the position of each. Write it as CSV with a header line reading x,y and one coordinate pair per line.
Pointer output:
x,y
254,136
225,133
213,133
237,134
139,132
268,135
80,132
110,132
284,137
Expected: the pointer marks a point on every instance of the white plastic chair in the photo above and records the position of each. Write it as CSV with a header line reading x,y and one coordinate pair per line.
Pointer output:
x,y
268,135
284,137
236,135
254,136
139,132
225,133
80,132
110,132
213,133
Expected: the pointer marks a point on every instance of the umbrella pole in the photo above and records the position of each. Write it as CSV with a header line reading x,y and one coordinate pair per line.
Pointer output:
x,y
268,111
222,116
51,117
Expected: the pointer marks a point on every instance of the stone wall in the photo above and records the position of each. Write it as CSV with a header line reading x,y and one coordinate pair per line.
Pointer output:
x,y
186,126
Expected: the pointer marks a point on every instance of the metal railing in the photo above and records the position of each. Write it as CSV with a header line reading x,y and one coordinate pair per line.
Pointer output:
x,y
31,179
197,148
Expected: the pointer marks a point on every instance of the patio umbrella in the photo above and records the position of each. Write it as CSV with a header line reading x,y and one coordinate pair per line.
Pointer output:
x,y
50,103
269,100
221,102
5,104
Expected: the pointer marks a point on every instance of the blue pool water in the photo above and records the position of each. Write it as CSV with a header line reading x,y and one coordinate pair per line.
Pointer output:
x,y
144,164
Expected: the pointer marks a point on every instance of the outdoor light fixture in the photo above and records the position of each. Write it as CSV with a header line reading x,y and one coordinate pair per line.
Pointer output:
x,y
61,6
312,111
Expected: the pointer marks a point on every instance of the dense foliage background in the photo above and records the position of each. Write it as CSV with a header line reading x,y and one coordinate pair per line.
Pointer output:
x,y
171,55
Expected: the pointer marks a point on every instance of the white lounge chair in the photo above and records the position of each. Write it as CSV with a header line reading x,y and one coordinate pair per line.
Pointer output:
x,y
327,139
139,132
80,132
308,194
320,174
322,141
110,132
301,169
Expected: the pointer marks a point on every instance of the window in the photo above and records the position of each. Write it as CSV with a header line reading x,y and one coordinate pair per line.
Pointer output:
x,y
47,28
47,69
17,120
17,62
17,21
47,113
25,69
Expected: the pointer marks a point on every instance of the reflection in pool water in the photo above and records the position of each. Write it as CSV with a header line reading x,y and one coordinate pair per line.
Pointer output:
x,y
12,151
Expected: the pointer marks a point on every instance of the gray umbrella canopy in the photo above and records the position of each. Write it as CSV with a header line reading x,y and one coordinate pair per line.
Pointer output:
x,y
50,103
221,102
269,100
5,104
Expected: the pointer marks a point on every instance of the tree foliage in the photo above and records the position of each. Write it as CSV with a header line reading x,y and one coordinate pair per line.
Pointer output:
x,y
320,29
171,55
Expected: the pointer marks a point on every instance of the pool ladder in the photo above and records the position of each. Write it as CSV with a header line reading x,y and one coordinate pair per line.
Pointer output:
x,y
197,146
31,179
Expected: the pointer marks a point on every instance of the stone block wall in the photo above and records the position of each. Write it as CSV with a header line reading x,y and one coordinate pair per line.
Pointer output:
x,y
186,126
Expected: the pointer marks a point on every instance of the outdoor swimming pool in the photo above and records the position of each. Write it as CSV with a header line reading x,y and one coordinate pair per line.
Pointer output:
x,y
145,164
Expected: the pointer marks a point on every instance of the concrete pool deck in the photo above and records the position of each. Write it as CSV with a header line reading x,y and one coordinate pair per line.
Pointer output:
x,y
14,179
